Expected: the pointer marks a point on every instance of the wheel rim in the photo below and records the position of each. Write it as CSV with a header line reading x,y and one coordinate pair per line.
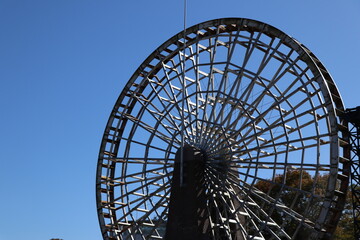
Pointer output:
x,y
257,100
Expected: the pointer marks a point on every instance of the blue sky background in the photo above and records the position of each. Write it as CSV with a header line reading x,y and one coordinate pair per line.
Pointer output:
x,y
64,63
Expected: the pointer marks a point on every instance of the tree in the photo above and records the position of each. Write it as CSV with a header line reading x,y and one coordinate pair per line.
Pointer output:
x,y
286,190
345,228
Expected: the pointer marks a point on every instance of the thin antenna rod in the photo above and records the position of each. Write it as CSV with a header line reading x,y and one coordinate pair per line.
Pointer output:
x,y
183,104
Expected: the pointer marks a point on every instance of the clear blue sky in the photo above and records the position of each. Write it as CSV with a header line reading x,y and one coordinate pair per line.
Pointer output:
x,y
63,63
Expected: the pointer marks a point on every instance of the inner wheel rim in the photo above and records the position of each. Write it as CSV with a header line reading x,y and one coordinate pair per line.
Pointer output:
x,y
254,97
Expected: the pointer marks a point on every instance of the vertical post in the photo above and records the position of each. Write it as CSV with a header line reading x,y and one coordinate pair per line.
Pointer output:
x,y
183,102
353,117
187,218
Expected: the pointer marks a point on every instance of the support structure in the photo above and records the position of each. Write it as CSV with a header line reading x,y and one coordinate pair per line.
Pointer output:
x,y
353,118
187,211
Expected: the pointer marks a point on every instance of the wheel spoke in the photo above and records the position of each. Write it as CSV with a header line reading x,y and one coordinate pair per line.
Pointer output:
x,y
260,114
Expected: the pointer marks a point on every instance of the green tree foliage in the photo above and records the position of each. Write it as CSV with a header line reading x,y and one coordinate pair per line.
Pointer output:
x,y
286,190
345,228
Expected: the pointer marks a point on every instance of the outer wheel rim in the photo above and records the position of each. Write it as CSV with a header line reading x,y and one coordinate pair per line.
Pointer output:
x,y
128,104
